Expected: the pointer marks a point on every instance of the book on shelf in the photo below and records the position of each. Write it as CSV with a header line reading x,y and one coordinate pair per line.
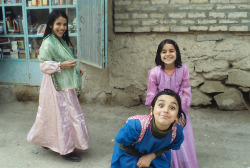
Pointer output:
x,y
20,44
34,3
41,29
5,40
39,3
45,2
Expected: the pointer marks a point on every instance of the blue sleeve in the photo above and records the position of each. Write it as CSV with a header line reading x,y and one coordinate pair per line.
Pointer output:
x,y
176,144
129,133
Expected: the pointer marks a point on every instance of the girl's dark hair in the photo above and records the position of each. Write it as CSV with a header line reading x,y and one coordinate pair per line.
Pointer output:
x,y
51,20
176,96
158,60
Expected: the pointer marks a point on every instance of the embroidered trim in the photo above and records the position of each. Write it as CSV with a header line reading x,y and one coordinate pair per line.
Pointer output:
x,y
145,121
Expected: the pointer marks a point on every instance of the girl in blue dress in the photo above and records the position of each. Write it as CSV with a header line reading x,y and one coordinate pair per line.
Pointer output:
x,y
145,140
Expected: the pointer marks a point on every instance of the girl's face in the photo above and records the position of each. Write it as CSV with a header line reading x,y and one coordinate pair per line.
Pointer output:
x,y
168,55
165,111
59,27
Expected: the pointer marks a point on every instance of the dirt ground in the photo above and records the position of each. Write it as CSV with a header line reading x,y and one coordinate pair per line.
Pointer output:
x,y
222,137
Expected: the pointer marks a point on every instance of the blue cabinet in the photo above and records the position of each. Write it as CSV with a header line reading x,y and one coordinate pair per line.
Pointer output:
x,y
22,23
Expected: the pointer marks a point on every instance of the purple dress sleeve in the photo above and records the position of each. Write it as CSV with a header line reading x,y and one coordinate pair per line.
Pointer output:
x,y
185,90
152,89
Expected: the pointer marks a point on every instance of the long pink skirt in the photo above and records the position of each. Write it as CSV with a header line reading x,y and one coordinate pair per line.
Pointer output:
x,y
185,157
60,123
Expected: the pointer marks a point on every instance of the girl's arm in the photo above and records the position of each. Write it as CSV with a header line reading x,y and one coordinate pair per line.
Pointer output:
x,y
185,92
50,67
152,89
129,133
176,144
47,63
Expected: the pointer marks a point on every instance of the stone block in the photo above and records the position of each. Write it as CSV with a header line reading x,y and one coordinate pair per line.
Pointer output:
x,y
247,6
217,14
196,80
231,99
216,75
145,2
160,2
121,16
122,2
121,98
237,15
149,22
218,28
238,28
177,15
219,1
123,29
212,87
179,1
157,15
179,29
239,78
139,16
200,99
160,28
197,15
210,65
243,64
142,29
198,28
223,6
206,21
199,1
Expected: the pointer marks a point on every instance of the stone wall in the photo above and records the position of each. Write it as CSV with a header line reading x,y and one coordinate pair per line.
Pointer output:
x,y
218,61
181,15
218,64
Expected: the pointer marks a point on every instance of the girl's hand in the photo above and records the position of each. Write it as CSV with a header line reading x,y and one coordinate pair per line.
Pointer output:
x,y
146,160
81,72
181,120
68,64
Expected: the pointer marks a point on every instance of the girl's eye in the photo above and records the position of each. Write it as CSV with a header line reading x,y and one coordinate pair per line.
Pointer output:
x,y
161,105
172,108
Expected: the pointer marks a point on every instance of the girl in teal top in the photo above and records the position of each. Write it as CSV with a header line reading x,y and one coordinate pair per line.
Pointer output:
x,y
60,124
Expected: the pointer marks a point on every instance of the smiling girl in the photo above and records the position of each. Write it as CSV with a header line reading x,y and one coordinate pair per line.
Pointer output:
x,y
170,73
157,133
60,124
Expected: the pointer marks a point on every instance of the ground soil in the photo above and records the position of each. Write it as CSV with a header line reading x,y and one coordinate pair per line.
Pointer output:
x,y
222,137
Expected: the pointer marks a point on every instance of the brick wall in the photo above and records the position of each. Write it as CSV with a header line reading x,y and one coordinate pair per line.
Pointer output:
x,y
181,15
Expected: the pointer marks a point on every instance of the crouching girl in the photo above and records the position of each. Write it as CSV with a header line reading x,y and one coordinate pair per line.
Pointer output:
x,y
146,140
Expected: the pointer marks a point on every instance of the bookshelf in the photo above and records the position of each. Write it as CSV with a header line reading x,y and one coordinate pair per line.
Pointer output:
x,y
22,24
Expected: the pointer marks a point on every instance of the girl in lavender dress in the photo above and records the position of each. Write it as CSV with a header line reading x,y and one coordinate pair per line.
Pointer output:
x,y
170,73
